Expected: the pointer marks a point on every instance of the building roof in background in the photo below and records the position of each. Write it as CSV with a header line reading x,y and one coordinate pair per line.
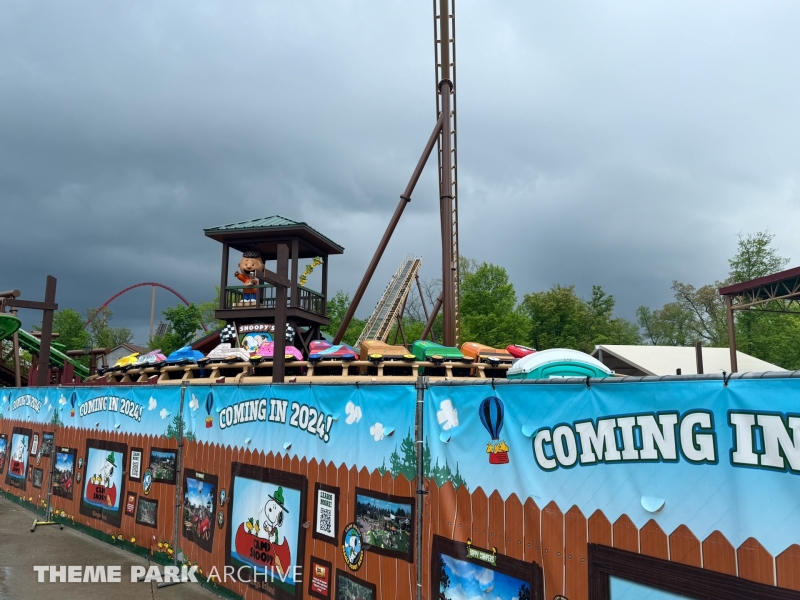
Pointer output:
x,y
665,360
130,348
241,236
767,287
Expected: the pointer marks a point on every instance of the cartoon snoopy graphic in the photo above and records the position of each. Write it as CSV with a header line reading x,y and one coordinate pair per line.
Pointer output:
x,y
19,454
108,470
273,516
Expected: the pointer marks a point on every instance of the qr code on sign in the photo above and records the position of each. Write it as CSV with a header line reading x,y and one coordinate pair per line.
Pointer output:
x,y
324,525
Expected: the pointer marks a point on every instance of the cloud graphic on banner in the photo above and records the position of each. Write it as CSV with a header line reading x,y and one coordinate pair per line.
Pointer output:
x,y
377,432
194,404
164,412
447,416
353,413
63,400
152,405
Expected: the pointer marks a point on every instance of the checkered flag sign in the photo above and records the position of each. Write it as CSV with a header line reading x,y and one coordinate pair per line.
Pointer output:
x,y
289,333
227,334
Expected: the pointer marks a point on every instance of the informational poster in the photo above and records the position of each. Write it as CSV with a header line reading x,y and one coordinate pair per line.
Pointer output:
x,y
319,581
135,470
326,513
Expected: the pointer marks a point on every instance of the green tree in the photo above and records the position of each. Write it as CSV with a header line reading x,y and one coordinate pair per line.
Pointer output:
x,y
207,313
559,318
337,308
668,326
68,323
101,334
755,257
185,321
489,312
56,418
700,315
174,429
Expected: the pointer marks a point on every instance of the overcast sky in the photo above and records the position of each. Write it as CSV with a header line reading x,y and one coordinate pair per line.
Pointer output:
x,y
616,143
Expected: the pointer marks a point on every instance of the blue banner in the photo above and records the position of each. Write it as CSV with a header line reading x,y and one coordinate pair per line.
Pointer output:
x,y
368,426
697,453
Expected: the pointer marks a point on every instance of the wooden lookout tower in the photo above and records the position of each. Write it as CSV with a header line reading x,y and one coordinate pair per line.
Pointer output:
x,y
284,241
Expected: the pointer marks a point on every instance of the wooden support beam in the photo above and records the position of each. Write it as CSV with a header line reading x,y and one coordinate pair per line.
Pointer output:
x,y
279,345
43,375
295,252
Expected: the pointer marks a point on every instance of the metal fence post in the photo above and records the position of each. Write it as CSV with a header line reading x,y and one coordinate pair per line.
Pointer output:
x,y
419,444
179,492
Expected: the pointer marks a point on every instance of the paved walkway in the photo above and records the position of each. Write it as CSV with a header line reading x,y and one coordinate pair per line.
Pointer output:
x,y
20,550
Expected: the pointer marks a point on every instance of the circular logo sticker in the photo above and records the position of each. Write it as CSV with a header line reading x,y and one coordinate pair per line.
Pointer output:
x,y
220,519
80,462
147,481
222,496
78,476
351,547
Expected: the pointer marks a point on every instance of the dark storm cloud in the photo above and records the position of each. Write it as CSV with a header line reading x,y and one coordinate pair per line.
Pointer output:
x,y
619,143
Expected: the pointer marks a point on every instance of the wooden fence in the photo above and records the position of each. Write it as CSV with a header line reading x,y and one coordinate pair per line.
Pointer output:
x,y
555,540
558,541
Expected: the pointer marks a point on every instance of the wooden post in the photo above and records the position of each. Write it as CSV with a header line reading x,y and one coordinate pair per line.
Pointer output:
x,y
698,354
43,375
279,345
15,341
325,285
293,299
223,280
731,334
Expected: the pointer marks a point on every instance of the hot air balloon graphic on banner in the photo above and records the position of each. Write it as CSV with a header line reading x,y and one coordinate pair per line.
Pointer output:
x,y
209,405
72,403
491,412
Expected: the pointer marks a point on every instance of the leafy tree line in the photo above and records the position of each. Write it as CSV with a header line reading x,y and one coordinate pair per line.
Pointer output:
x,y
492,313
699,314
184,326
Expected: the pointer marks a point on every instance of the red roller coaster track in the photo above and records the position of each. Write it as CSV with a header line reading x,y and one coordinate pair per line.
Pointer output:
x,y
128,289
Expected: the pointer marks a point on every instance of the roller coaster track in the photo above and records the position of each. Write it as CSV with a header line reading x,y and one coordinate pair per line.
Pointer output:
x,y
128,289
379,324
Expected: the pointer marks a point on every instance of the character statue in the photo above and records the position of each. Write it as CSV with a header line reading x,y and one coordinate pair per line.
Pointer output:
x,y
251,263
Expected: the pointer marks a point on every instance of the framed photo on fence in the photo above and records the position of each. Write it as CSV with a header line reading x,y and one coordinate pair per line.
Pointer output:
x,y
38,478
349,586
326,513
64,472
3,451
199,507
467,568
163,464
35,444
47,443
147,512
386,523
